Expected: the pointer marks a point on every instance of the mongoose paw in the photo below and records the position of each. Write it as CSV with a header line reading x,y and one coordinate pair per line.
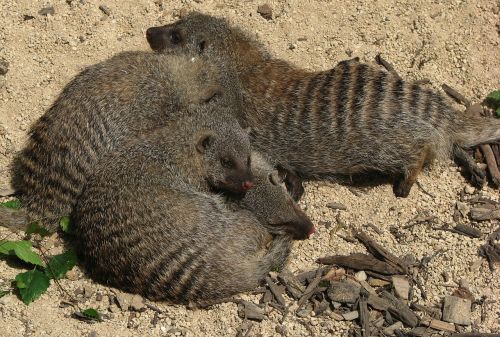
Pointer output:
x,y
402,188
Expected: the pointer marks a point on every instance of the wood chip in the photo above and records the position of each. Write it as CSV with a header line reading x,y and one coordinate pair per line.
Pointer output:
x,y
491,250
472,172
359,261
277,292
467,230
457,310
292,284
400,310
336,205
475,334
378,303
389,331
482,213
440,325
381,253
489,157
351,315
401,286
364,315
310,289
388,66
266,11
251,311
344,292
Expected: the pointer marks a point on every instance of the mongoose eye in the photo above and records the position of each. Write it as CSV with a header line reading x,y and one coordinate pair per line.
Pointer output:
x,y
249,162
175,37
227,163
201,46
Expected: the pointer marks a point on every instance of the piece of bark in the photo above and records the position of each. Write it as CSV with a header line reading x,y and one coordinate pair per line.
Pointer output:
x,y
401,286
389,331
381,253
308,276
344,292
419,332
440,325
310,289
364,315
377,279
484,213
432,312
467,230
336,206
475,334
492,164
277,292
251,311
456,95
351,315
359,261
472,172
491,250
292,284
400,310
378,303
457,310
267,297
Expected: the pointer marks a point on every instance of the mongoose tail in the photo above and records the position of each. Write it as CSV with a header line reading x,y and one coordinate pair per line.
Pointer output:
x,y
475,131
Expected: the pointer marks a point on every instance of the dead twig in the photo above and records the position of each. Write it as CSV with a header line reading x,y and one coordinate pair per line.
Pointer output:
x,y
388,66
470,170
456,95
489,157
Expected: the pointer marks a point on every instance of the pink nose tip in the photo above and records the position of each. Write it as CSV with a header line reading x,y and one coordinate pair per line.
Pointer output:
x,y
247,185
311,231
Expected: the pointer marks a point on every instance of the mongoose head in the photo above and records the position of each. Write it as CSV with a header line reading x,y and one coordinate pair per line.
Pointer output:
x,y
196,32
273,206
201,35
226,157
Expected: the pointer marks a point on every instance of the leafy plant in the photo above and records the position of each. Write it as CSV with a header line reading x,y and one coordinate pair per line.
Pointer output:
x,y
493,100
33,283
65,224
92,314
13,204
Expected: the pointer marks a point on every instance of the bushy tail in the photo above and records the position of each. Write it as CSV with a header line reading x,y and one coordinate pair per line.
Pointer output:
x,y
475,130
15,220
277,255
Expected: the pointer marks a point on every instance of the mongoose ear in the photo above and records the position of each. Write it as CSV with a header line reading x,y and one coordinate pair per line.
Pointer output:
x,y
211,93
204,141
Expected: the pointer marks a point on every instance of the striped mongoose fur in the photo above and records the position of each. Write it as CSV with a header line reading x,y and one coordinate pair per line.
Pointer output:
x,y
124,96
350,119
145,226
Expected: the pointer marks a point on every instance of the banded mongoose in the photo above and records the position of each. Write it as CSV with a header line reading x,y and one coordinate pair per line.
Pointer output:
x,y
144,225
124,96
350,119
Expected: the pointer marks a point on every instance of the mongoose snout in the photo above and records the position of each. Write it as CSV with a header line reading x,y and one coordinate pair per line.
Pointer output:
x,y
159,38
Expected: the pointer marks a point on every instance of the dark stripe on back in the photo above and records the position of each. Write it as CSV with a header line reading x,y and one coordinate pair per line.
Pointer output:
x,y
398,96
359,92
342,94
378,96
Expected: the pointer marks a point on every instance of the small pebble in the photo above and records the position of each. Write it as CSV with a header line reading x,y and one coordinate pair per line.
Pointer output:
x,y
4,66
266,11
360,276
49,10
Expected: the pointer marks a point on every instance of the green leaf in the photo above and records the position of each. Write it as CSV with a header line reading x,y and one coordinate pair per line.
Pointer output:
x,y
59,265
32,284
14,204
92,313
22,249
65,224
35,228
494,96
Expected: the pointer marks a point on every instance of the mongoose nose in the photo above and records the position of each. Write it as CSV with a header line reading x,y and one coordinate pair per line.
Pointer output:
x,y
311,231
247,185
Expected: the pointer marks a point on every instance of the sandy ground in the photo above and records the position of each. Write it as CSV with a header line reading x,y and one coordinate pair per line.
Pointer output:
x,y
454,42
